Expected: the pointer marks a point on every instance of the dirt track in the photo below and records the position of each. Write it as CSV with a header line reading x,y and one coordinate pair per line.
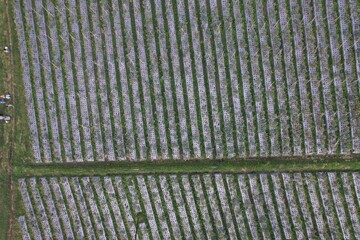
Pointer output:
x,y
10,84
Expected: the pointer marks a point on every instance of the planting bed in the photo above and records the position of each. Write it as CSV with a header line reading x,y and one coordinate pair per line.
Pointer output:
x,y
211,206
152,79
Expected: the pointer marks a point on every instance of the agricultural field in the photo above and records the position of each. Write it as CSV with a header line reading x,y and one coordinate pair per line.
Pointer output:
x,y
322,205
260,97
151,79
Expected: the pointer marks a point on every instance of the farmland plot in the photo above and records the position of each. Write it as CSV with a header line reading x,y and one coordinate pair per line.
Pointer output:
x,y
219,206
151,79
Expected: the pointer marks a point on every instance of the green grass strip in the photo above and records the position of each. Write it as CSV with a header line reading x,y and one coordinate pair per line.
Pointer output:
x,y
309,164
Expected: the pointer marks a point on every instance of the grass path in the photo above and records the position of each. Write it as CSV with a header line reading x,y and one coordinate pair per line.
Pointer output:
x,y
250,165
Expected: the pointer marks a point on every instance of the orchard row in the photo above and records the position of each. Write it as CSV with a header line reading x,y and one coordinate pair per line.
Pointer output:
x,y
150,79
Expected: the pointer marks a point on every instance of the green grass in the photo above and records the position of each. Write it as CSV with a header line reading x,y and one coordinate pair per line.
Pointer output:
x,y
22,142
203,166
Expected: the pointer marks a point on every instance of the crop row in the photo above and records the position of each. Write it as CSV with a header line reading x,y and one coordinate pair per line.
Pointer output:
x,y
280,205
148,79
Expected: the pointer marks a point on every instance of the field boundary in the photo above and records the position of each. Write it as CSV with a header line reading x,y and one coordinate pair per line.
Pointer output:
x,y
10,80
290,164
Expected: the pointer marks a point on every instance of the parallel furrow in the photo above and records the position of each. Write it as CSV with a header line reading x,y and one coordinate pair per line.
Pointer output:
x,y
164,60
27,81
338,75
270,89
154,69
50,205
339,207
24,229
45,62
40,210
237,97
204,211
80,78
37,81
295,214
136,205
62,91
62,209
194,216
93,208
180,203
257,80
281,204
315,81
302,76
71,204
185,51
220,65
245,77
171,31
145,82
304,205
348,61
327,83
259,203
91,78
107,219
102,96
247,204
30,214
351,204
148,208
291,80
286,124
59,12
113,85
315,205
201,81
114,204
133,80
129,137
205,28
80,200
270,206
328,205
159,208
